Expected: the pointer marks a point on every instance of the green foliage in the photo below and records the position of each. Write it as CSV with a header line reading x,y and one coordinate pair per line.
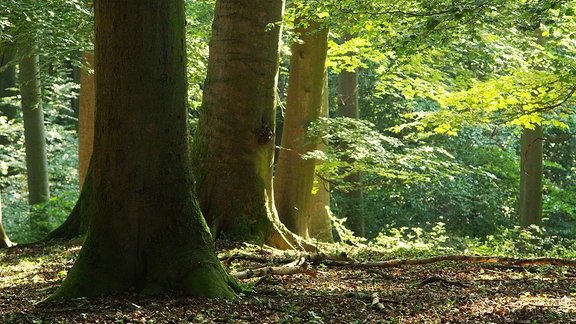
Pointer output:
x,y
353,146
512,242
62,146
61,27
199,14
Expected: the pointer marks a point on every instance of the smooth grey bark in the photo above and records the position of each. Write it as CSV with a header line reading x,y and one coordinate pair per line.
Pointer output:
x,y
35,140
34,130
531,167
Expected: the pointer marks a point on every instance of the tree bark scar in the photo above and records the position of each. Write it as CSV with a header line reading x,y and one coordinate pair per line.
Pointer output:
x,y
264,134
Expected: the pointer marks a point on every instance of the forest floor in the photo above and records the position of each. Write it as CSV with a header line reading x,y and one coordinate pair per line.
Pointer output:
x,y
443,292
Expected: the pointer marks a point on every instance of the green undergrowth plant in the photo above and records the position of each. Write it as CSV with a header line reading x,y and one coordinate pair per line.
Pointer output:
x,y
509,242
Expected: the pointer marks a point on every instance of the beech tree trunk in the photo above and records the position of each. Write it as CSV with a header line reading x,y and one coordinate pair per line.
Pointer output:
x,y
146,231
87,108
234,142
35,139
294,178
530,207
352,206
320,225
531,166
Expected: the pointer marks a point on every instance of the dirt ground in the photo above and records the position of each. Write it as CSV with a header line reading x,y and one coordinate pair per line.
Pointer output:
x,y
444,292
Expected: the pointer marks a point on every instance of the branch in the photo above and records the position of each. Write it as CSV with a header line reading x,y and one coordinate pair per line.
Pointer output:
x,y
454,257
298,266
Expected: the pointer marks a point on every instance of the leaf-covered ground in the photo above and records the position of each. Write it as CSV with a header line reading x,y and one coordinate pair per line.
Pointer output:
x,y
445,292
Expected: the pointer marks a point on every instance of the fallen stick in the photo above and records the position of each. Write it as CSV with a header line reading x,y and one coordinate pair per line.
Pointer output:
x,y
298,266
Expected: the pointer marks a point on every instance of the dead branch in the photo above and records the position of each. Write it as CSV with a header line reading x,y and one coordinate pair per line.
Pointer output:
x,y
228,258
298,266
454,257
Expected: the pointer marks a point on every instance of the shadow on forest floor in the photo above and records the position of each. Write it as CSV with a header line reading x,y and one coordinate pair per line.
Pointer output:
x,y
435,293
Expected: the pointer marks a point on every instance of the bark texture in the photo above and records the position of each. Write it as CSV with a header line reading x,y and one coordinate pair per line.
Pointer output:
x,y
146,231
234,142
294,178
530,207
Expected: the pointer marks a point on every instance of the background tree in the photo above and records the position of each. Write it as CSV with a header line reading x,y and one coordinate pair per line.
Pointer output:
x,y
320,224
7,82
531,163
147,231
35,136
531,167
87,107
294,177
351,207
233,145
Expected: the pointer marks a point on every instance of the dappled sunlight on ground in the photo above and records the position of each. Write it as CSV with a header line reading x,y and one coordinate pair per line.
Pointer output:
x,y
442,292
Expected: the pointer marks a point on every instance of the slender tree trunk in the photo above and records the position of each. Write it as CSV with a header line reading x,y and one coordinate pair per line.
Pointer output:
x,y
531,166
146,231
352,206
4,240
531,176
35,139
7,83
294,176
86,117
234,142
320,225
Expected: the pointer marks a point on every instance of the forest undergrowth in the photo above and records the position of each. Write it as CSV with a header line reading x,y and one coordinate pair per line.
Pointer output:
x,y
321,292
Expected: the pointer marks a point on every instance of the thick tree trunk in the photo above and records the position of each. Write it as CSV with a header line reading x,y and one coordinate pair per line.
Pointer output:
x,y
146,231
234,142
530,207
294,178
86,117
352,206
